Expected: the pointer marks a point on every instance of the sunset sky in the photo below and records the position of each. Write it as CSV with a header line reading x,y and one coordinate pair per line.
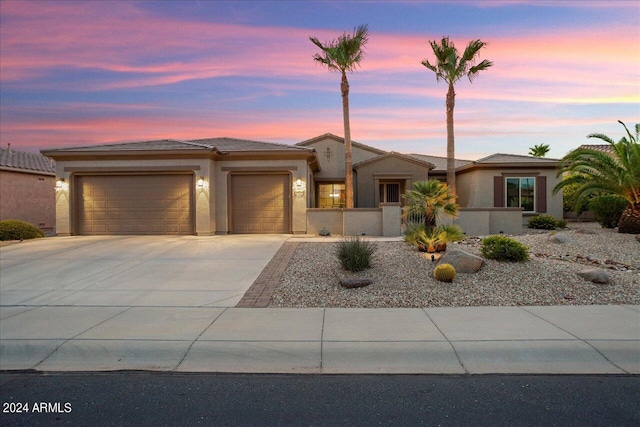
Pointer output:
x,y
80,73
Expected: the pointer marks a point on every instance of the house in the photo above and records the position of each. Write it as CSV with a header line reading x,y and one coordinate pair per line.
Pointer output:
x,y
227,185
27,188
203,187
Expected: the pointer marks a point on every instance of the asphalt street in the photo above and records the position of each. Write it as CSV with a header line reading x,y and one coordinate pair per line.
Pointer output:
x,y
180,399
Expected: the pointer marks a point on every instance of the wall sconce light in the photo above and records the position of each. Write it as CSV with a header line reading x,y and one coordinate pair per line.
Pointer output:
x,y
298,188
200,182
59,184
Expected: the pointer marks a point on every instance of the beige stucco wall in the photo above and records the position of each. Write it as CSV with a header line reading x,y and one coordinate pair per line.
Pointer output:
x,y
333,167
204,203
28,197
296,168
368,177
475,188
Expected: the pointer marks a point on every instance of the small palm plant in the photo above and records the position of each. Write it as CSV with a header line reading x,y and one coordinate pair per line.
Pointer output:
x,y
431,200
597,172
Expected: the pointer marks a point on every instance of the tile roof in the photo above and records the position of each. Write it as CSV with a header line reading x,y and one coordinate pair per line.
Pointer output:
x,y
340,139
440,163
223,145
34,162
514,158
605,148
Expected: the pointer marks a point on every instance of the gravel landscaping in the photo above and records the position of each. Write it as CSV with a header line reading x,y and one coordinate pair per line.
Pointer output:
x,y
403,277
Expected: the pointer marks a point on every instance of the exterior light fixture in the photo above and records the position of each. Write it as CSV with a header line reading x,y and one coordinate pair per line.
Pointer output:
x,y
200,182
298,182
59,184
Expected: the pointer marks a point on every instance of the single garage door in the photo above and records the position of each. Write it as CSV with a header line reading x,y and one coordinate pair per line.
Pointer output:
x,y
135,204
260,203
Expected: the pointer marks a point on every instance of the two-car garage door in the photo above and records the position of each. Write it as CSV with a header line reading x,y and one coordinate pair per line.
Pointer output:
x,y
163,204
134,204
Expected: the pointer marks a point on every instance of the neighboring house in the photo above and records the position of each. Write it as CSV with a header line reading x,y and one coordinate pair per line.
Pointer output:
x,y
226,185
27,188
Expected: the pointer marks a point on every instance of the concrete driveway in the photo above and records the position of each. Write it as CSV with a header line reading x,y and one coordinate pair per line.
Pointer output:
x,y
176,271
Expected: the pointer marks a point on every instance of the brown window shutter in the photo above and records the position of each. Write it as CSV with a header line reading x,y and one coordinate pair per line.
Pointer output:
x,y
498,192
541,194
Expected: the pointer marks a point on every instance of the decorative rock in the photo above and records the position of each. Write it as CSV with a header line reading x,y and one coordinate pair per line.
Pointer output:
x,y
595,275
638,237
355,283
561,238
462,261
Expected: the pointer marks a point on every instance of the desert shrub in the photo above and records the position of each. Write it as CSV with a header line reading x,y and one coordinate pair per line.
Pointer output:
x,y
503,248
324,232
561,223
608,209
355,253
543,222
12,229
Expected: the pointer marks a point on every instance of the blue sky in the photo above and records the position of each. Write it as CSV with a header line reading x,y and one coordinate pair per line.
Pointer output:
x,y
81,73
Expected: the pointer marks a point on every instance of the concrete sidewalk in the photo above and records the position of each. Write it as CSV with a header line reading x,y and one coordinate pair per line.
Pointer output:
x,y
473,340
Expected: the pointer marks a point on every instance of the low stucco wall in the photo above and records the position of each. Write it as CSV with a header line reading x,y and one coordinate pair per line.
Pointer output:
x,y
486,221
384,221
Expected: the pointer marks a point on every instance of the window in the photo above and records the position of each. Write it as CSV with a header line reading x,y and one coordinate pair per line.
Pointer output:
x,y
521,193
390,192
331,195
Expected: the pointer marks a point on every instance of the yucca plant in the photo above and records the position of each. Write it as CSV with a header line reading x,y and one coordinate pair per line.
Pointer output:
x,y
355,253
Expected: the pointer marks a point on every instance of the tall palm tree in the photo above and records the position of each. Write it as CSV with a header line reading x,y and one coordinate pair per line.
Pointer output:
x,y
451,67
344,54
539,150
618,173
431,199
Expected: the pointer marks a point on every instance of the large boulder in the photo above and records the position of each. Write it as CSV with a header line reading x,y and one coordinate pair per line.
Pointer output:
x,y
561,238
595,275
462,261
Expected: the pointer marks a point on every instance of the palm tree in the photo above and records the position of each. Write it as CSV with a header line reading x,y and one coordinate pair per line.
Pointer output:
x,y
539,150
430,199
344,54
451,67
594,171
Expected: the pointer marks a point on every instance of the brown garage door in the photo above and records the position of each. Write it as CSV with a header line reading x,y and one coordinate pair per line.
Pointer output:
x,y
135,204
260,203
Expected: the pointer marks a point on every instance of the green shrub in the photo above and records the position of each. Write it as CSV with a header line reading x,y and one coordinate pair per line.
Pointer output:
x,y
324,232
503,248
608,209
12,229
561,223
355,253
543,222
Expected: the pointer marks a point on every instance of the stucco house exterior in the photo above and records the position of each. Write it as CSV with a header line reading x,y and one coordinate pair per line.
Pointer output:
x,y
27,188
202,187
226,185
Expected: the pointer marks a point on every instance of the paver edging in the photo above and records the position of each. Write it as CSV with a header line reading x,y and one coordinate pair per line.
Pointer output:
x,y
260,292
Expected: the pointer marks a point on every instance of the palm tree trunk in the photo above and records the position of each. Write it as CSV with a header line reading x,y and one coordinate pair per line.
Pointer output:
x,y
630,220
348,168
451,166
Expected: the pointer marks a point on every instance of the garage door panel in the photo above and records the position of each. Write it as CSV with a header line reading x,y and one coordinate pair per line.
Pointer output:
x,y
135,204
260,203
